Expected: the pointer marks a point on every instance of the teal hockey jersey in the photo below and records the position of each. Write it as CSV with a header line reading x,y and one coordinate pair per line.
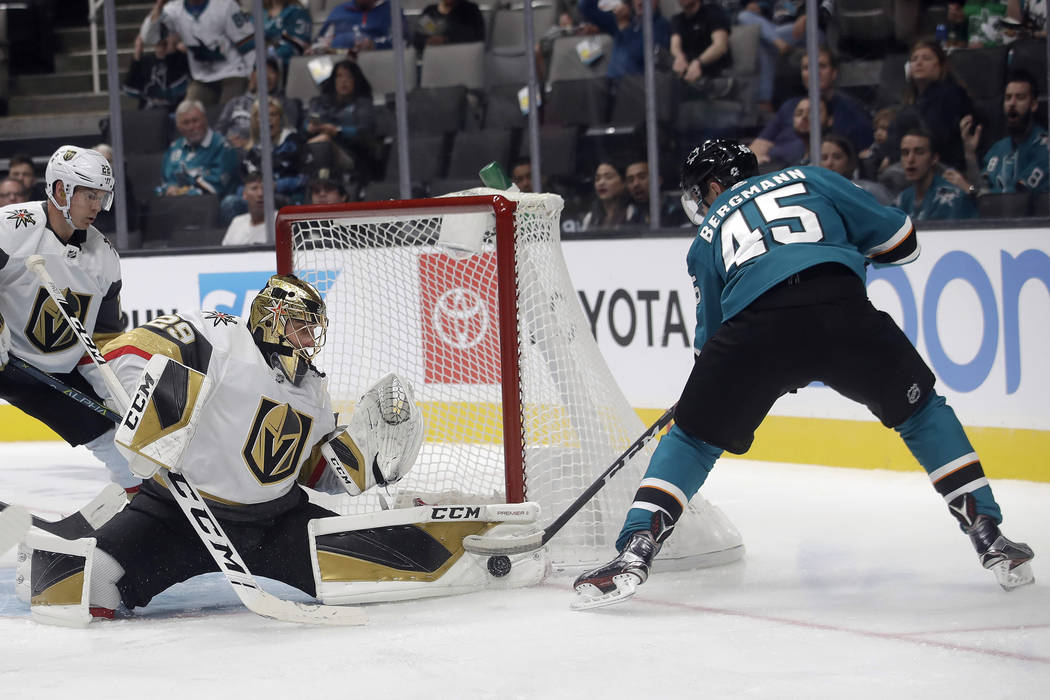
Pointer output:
x,y
1009,169
768,227
942,200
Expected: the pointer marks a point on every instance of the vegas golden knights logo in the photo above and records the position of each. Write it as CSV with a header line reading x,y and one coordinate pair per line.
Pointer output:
x,y
47,329
276,441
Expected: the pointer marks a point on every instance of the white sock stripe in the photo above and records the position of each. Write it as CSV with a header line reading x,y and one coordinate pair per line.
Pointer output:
x,y
667,486
968,488
938,474
651,507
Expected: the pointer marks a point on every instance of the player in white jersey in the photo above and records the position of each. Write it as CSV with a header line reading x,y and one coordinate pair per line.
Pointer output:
x,y
219,39
82,262
265,417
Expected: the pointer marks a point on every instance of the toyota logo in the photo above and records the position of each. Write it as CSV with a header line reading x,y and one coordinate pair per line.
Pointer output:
x,y
460,318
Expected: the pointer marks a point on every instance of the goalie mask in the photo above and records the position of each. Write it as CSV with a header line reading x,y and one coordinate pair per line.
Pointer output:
x,y
78,167
289,323
724,161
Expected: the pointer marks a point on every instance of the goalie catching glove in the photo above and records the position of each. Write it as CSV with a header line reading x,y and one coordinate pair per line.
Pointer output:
x,y
382,441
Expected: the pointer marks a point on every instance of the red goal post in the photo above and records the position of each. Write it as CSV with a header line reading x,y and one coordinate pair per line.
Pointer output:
x,y
470,299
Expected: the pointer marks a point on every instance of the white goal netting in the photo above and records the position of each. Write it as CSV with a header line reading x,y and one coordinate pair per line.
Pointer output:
x,y
400,299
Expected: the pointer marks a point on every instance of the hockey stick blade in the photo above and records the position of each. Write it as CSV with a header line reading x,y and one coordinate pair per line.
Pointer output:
x,y
266,605
14,524
492,545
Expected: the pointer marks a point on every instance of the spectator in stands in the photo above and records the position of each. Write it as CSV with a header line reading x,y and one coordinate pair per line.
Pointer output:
x,y
1028,12
930,195
250,227
326,187
287,29
219,38
850,117
636,179
235,121
12,191
106,219
1018,162
358,25
776,148
449,22
159,79
700,47
872,158
624,23
612,206
199,161
782,26
933,101
837,154
21,167
344,117
521,175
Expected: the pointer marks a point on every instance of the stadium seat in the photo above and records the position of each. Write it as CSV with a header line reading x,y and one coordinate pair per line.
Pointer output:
x,y
502,110
1030,54
565,62
865,20
981,71
558,147
506,67
507,29
144,170
1005,205
454,64
145,130
989,113
178,221
628,108
437,110
426,158
300,84
471,150
577,102
378,67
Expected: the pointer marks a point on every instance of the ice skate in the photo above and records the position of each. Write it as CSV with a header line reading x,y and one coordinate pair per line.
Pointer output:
x,y
617,581
1008,560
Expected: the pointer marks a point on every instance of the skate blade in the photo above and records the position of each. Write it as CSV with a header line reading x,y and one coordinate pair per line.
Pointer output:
x,y
589,596
1013,578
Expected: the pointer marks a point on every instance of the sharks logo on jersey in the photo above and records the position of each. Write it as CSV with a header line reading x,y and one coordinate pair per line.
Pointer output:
x,y
275,444
47,329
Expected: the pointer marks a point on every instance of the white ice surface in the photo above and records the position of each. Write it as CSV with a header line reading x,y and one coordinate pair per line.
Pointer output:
x,y
856,584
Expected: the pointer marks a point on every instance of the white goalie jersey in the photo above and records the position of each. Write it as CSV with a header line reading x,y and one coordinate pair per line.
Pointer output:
x,y
87,270
255,430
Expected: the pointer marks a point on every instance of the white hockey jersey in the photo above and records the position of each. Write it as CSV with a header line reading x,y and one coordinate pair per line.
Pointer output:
x,y
87,269
218,38
255,429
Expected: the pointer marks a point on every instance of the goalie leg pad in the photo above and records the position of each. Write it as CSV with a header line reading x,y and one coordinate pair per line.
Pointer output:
x,y
54,575
417,552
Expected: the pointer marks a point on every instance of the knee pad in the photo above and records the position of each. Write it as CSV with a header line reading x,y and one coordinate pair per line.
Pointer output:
x,y
409,553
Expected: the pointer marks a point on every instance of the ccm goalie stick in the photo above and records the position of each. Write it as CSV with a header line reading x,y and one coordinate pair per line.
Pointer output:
x,y
86,520
494,546
196,509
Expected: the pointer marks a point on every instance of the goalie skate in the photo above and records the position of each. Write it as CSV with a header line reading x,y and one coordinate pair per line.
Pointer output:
x,y
618,580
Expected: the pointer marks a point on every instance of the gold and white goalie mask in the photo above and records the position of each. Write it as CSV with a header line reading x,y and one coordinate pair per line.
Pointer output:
x,y
289,323
382,441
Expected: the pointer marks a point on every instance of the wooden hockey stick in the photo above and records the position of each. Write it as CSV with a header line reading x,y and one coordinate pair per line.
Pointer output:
x,y
194,506
492,545
86,520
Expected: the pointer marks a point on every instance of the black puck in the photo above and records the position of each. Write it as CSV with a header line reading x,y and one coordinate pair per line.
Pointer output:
x,y
499,565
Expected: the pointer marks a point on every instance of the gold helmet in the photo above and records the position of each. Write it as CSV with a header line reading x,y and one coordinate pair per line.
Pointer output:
x,y
289,323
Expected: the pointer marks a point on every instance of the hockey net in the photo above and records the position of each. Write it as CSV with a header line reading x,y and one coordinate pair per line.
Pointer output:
x,y
470,299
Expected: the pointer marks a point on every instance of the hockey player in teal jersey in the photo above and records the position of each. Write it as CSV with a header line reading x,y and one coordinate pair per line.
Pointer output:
x,y
778,267
930,195
1018,162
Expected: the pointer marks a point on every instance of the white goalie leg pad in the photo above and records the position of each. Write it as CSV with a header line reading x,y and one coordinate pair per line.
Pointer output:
x,y
409,553
53,575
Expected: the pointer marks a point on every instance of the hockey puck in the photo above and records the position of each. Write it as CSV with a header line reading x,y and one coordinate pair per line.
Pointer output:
x,y
499,566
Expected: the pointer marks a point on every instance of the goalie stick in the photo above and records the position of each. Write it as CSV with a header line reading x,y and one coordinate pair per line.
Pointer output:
x,y
493,546
195,508
86,520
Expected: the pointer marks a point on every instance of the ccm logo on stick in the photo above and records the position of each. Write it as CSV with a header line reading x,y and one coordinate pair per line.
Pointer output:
x,y
138,404
455,513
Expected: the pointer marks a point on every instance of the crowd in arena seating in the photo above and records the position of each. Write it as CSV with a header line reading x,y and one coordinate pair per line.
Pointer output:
x,y
956,116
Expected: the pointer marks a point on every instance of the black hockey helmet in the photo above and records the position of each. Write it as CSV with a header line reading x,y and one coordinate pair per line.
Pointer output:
x,y
723,160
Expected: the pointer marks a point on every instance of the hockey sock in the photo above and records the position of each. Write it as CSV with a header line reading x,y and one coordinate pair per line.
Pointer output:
x,y
938,441
678,469
106,452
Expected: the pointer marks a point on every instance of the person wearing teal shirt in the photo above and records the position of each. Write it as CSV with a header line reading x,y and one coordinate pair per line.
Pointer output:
x,y
287,30
778,268
930,196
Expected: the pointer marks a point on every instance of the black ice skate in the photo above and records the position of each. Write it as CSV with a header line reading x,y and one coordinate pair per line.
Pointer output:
x,y
617,581
1008,560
